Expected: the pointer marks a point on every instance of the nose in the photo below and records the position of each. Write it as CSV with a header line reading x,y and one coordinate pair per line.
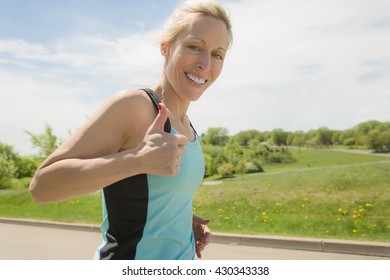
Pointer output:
x,y
204,62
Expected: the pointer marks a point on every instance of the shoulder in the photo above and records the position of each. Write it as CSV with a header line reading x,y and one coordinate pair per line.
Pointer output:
x,y
128,98
126,105
124,115
130,113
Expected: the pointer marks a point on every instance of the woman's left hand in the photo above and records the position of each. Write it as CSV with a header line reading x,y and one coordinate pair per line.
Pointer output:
x,y
202,234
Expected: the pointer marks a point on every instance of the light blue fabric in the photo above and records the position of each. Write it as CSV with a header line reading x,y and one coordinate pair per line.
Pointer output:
x,y
168,232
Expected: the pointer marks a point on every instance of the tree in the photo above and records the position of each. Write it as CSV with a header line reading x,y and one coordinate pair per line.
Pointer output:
x,y
324,136
7,170
8,152
279,137
299,139
47,142
217,136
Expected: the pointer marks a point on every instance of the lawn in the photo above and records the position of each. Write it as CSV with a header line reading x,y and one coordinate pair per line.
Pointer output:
x,y
326,194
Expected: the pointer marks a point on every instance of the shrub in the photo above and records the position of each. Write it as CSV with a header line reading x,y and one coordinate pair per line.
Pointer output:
x,y
226,170
26,166
349,141
7,171
250,167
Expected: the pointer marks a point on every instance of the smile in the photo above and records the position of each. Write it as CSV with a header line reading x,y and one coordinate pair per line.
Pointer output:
x,y
196,80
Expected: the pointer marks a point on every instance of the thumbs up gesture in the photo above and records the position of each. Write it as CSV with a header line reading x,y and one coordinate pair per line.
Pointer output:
x,y
162,151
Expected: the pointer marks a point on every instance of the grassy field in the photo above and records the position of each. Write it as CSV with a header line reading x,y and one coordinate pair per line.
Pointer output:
x,y
326,194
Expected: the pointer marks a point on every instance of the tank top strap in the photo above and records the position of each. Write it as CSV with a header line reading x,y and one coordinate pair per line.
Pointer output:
x,y
156,100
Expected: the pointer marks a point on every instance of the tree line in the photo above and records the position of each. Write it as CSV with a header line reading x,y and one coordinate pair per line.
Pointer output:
x,y
225,155
247,151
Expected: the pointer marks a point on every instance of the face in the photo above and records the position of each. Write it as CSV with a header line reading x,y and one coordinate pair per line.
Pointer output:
x,y
195,60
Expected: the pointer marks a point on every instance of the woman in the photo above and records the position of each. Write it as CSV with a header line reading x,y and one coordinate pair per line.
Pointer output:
x,y
142,151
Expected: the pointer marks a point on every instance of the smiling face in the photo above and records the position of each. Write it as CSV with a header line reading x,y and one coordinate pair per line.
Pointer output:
x,y
194,61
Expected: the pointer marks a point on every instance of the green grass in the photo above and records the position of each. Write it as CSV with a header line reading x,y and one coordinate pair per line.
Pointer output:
x,y
326,194
348,199
322,158
18,204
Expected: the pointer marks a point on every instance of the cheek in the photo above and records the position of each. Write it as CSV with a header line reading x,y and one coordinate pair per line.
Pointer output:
x,y
217,69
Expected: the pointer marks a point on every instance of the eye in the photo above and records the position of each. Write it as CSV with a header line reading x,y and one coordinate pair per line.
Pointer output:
x,y
194,47
218,56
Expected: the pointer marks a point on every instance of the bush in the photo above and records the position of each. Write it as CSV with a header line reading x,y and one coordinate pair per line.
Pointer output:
x,y
258,164
349,141
226,170
7,171
250,167
26,166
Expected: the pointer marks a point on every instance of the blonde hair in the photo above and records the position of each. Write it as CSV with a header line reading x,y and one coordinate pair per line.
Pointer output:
x,y
182,17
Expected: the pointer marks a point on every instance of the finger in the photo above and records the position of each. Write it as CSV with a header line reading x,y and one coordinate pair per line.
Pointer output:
x,y
200,220
207,238
160,119
181,140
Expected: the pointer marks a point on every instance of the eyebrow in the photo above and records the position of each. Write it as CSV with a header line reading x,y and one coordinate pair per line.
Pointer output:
x,y
200,39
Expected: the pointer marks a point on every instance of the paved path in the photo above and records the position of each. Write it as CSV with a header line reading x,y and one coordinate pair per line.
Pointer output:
x,y
27,242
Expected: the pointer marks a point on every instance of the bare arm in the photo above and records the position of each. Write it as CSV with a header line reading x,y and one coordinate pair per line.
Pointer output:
x,y
122,139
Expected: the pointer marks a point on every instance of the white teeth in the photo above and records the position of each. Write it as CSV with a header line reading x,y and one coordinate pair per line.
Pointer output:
x,y
195,79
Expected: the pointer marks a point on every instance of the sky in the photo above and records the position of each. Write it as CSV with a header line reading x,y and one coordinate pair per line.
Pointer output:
x,y
296,65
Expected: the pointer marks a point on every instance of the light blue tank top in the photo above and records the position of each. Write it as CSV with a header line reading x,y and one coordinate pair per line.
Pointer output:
x,y
166,228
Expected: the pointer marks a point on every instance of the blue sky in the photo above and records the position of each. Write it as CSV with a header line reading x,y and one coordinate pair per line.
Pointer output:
x,y
294,64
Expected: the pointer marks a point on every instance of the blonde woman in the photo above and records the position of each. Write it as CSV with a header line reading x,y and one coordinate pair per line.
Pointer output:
x,y
142,151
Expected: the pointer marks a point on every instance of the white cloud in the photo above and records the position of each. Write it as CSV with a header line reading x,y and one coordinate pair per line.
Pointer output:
x,y
63,83
296,65
300,65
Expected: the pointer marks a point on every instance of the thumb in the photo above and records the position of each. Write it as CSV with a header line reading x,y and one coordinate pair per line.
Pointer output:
x,y
161,118
200,220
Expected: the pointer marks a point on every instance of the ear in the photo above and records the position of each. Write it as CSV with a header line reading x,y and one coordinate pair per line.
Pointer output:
x,y
164,48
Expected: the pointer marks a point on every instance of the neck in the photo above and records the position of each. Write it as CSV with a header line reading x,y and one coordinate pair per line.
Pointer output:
x,y
176,106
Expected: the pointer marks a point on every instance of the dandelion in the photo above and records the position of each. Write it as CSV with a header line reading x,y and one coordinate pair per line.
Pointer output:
x,y
354,230
339,219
